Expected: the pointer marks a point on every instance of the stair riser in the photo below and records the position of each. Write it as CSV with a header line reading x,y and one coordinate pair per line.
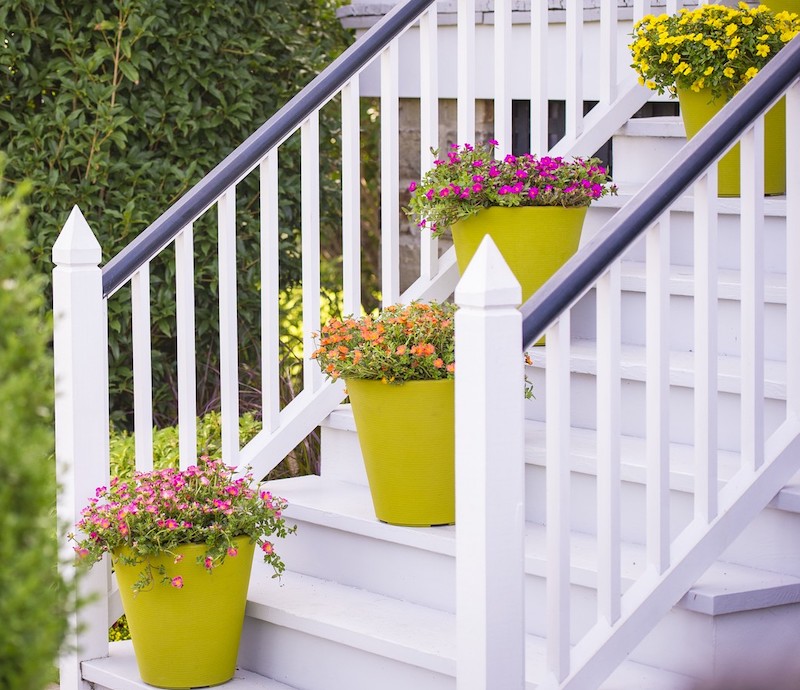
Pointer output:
x,y
760,644
633,409
681,320
773,233
768,543
639,158
310,662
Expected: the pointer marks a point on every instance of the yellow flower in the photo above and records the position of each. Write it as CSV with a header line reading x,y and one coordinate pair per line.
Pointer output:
x,y
750,73
731,29
698,85
747,21
787,36
650,84
729,72
733,54
708,71
676,58
762,50
664,57
735,41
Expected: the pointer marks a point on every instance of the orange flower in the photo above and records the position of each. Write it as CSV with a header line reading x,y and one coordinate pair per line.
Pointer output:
x,y
357,356
438,363
401,350
451,367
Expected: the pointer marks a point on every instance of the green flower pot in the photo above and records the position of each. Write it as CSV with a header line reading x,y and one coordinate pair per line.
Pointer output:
x,y
535,241
783,5
697,109
187,637
407,437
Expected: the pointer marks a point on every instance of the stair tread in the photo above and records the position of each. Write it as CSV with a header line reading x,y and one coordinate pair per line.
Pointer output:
x,y
400,630
670,126
681,365
724,588
773,205
119,671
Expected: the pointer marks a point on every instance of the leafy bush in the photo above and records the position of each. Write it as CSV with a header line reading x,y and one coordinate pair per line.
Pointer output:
x,y
33,597
120,107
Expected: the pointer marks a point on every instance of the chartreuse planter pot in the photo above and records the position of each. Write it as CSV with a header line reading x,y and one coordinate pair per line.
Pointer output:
x,y
535,241
407,437
697,108
187,637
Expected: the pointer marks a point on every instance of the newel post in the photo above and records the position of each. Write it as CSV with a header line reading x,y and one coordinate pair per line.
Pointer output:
x,y
81,410
490,479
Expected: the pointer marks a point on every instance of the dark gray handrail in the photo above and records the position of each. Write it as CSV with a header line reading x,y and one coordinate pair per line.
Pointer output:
x,y
580,271
244,158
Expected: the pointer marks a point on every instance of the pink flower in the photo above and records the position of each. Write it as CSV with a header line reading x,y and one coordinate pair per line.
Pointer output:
x,y
492,142
178,558
444,192
493,171
412,186
232,552
521,174
177,582
429,194
81,552
267,547
209,563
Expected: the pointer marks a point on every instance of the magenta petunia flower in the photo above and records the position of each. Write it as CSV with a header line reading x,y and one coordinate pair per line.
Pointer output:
x,y
177,582
412,186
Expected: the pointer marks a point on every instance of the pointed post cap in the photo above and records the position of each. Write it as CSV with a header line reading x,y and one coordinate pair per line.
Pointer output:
x,y
76,244
488,281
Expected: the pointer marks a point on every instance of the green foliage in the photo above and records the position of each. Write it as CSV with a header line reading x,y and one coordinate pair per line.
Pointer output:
x,y
120,107
32,594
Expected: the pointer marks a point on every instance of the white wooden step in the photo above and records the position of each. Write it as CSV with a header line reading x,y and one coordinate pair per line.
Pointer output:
x,y
119,672
391,644
644,145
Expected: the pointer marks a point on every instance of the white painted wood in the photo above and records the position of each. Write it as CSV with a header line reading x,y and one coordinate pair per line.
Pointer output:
x,y
309,142
608,445
228,327
705,350
142,369
673,6
80,350
538,72
270,292
558,402
657,422
490,481
793,253
502,76
640,8
466,71
187,373
429,126
351,198
752,303
574,69
609,44
390,162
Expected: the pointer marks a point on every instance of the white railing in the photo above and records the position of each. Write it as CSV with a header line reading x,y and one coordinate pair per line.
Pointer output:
x,y
83,459
767,446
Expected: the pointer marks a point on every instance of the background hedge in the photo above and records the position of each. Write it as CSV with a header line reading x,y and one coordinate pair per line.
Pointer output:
x,y
120,107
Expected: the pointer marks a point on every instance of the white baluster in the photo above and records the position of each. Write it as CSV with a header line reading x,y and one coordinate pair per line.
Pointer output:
x,y
557,402
792,252
608,445
574,70
429,126
490,480
187,372
657,383
752,295
270,292
466,71
142,369
351,197
228,327
609,45
390,157
502,76
80,349
309,143
705,345
539,72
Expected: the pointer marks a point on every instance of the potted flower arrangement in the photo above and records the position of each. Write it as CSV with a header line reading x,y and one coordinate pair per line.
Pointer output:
x,y
532,207
704,56
399,369
181,543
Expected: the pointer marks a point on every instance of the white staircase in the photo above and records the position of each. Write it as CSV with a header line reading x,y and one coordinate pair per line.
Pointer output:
x,y
369,606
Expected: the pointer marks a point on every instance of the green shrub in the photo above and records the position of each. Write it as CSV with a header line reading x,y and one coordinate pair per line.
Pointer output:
x,y
32,595
121,107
